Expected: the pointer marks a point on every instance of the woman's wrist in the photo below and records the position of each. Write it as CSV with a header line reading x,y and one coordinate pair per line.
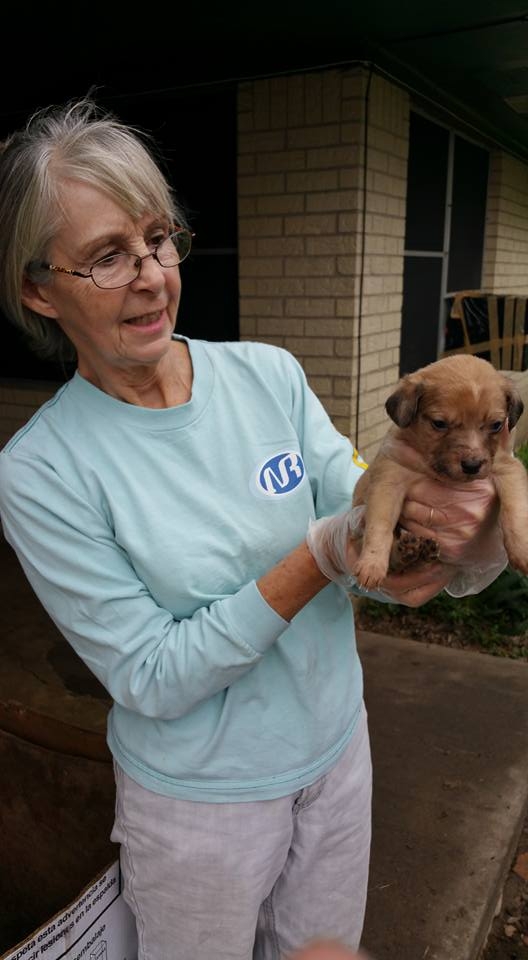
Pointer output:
x,y
292,582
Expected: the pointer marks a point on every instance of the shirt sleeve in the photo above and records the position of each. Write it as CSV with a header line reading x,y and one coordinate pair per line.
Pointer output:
x,y
147,660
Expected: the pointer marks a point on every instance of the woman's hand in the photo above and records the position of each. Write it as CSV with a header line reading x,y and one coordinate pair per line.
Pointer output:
x,y
334,544
459,517
462,518
417,584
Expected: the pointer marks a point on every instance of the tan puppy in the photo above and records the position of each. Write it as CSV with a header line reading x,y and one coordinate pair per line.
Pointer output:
x,y
448,417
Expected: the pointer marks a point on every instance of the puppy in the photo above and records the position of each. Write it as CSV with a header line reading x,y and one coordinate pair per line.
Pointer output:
x,y
448,417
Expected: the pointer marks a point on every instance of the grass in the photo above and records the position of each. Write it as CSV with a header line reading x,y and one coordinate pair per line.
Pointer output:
x,y
495,620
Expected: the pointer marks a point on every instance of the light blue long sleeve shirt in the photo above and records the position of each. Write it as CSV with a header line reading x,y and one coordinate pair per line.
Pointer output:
x,y
143,532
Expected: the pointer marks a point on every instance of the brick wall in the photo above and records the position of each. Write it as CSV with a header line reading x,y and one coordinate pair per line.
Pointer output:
x,y
301,203
380,325
18,402
505,265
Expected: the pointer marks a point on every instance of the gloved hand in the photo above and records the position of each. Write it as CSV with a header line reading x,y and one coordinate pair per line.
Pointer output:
x,y
334,543
331,542
462,518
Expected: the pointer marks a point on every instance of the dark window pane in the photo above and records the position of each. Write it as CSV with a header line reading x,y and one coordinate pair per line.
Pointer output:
x,y
468,216
426,184
421,302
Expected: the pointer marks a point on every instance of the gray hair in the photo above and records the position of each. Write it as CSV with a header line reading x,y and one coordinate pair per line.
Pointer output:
x,y
76,141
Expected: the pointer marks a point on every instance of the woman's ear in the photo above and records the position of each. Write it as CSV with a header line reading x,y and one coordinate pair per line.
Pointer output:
x,y
35,295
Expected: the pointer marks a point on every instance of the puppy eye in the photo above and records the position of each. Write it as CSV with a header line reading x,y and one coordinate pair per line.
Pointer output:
x,y
439,424
496,426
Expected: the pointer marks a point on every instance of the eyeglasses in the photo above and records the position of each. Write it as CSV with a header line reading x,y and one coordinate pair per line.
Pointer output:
x,y
120,269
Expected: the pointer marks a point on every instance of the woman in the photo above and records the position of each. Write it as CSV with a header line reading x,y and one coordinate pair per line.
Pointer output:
x,y
159,505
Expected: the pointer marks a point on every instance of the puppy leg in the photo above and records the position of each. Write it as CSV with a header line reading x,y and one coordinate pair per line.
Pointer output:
x,y
383,493
511,480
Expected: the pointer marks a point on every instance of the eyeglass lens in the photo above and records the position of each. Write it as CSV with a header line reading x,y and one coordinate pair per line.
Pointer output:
x,y
123,268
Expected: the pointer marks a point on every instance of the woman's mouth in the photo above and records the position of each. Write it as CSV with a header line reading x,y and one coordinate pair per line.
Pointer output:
x,y
147,320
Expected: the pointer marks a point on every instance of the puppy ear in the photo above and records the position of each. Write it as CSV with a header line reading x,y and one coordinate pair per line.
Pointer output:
x,y
402,405
515,408
514,403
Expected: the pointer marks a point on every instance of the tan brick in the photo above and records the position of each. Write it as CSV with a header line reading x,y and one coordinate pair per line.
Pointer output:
x,y
259,306
353,84
337,407
311,181
332,366
314,99
281,246
330,327
349,179
270,141
347,222
343,347
333,156
342,425
309,266
310,346
332,102
261,184
247,327
260,226
352,110
322,386
283,326
245,123
260,267
330,287
333,245
347,307
247,164
292,203
319,136
247,247
349,266
277,287
284,160
247,206
351,133
278,104
336,200
309,307
342,387
310,224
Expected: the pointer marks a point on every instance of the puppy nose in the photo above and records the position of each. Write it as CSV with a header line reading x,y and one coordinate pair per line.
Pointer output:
x,y
471,467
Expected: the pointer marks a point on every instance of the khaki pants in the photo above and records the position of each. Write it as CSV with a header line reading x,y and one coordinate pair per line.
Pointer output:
x,y
236,881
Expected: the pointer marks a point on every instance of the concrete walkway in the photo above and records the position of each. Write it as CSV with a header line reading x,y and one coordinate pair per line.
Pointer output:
x,y
449,734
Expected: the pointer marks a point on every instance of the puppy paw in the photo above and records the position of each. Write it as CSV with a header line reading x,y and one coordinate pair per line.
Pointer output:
x,y
369,573
429,549
408,549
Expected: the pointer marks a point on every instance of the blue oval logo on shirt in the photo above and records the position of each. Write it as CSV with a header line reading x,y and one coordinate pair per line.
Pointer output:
x,y
280,474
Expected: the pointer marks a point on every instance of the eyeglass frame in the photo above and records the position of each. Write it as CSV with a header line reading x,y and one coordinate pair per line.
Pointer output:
x,y
43,265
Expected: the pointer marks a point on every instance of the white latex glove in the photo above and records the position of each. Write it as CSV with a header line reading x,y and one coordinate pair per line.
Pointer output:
x,y
462,518
334,543
330,541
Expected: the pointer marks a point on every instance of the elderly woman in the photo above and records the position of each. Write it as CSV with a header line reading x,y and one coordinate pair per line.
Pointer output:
x,y
159,505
